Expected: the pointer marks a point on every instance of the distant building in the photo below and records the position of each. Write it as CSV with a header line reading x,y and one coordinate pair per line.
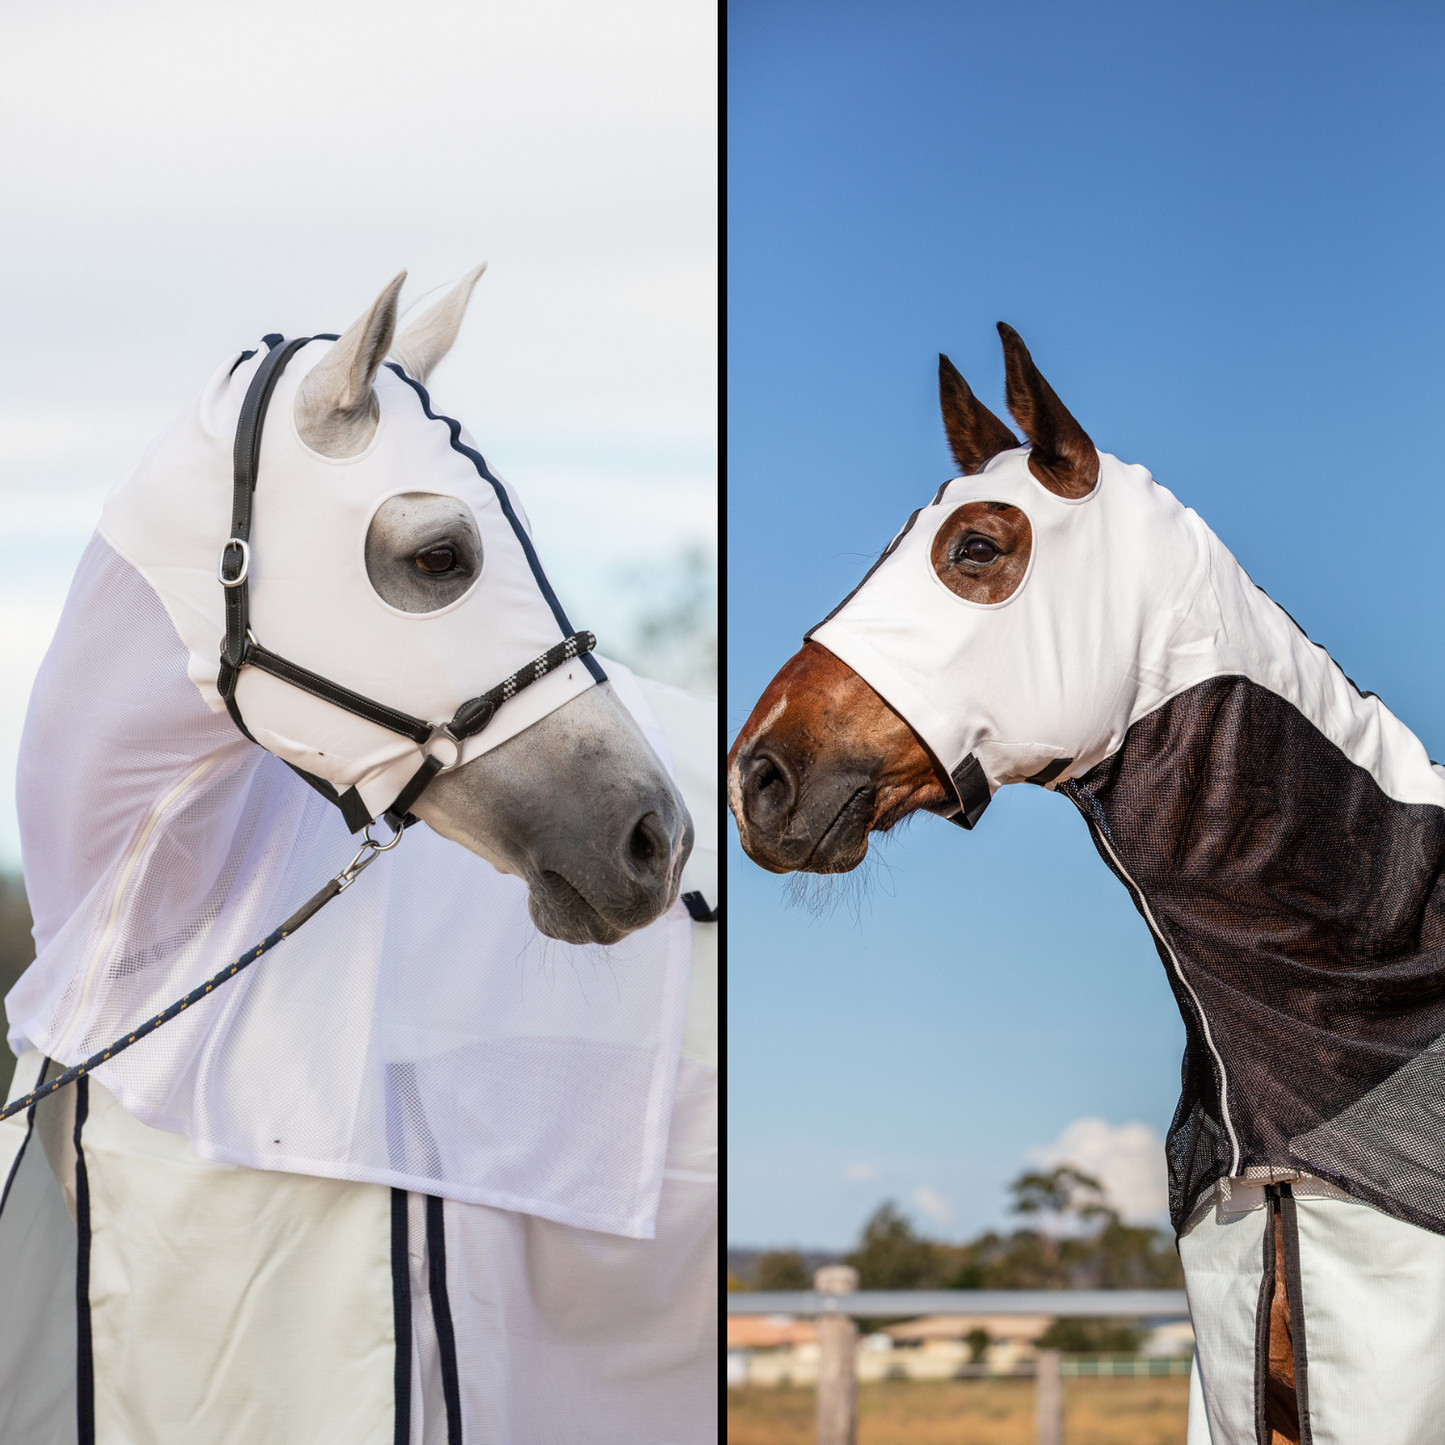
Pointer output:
x,y
772,1350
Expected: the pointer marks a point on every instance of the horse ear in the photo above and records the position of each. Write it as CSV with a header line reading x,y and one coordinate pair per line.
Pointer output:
x,y
430,337
1063,458
336,409
975,434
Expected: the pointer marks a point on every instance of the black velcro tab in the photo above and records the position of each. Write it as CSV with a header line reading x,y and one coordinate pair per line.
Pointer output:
x,y
1046,775
974,794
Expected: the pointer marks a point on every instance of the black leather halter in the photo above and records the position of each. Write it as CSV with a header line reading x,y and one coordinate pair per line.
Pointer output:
x,y
241,649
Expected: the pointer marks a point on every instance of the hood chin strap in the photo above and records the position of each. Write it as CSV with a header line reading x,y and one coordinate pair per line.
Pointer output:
x,y
240,648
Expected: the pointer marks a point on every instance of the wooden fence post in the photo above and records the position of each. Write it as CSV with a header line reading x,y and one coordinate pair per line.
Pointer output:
x,y
837,1401
1049,1399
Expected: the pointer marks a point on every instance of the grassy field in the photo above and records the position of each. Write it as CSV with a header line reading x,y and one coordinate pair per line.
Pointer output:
x,y
971,1412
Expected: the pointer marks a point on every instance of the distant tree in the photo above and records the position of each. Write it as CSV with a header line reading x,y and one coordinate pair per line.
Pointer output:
x,y
1102,1253
782,1269
17,947
1064,1190
892,1255
977,1341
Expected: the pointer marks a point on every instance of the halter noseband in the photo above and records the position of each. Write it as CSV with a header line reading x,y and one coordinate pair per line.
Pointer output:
x,y
241,649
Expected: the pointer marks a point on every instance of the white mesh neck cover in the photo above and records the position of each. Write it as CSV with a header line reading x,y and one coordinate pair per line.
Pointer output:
x,y
311,599
1128,600
420,1031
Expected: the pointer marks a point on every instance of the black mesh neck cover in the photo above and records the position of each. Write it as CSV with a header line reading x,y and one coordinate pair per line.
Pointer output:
x,y
1300,915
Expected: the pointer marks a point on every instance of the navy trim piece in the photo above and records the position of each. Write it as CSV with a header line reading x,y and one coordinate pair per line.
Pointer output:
x,y
698,910
533,561
441,1311
1289,1222
84,1358
244,356
1263,1435
24,1143
401,1317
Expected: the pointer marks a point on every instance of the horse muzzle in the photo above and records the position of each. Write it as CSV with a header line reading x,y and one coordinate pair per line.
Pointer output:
x,y
800,817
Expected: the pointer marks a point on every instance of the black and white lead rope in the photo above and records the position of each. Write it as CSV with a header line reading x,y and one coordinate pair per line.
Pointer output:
x,y
470,719
369,851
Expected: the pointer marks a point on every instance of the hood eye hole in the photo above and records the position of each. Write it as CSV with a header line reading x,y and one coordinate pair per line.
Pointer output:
x,y
437,560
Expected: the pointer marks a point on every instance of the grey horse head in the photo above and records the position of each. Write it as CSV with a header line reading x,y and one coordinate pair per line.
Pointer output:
x,y
577,805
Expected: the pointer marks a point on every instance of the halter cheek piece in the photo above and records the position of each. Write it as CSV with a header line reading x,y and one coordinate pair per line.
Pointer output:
x,y
241,648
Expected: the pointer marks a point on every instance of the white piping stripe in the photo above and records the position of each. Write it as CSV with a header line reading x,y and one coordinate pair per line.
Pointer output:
x,y
1203,1020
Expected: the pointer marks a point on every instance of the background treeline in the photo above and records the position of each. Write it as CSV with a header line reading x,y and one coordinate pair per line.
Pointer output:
x,y
17,948
1072,1239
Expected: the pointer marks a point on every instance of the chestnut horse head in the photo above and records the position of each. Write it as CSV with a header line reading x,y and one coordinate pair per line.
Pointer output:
x,y
1009,633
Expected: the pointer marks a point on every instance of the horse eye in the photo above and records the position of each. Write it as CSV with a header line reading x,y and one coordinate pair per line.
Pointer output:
x,y
437,559
977,549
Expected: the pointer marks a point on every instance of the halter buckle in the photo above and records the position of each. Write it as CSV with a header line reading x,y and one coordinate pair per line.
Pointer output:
x,y
245,563
444,731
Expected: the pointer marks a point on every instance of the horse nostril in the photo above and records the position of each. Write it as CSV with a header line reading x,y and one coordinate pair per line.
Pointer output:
x,y
649,849
768,785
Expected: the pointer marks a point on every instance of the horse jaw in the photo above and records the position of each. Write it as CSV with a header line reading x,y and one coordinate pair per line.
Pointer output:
x,y
581,809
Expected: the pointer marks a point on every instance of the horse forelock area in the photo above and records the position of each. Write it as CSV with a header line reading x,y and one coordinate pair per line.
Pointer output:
x,y
1306,912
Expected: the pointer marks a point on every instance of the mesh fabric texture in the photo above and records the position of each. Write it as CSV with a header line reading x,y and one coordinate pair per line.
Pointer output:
x,y
419,1032
1306,913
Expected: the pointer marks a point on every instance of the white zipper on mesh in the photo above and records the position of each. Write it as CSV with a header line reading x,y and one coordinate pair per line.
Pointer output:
x,y
1199,1007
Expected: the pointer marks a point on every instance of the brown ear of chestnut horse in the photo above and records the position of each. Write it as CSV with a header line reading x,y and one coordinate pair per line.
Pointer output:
x,y
975,435
1063,458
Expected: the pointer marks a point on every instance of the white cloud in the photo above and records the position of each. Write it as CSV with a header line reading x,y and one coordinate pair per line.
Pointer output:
x,y
928,1201
861,1172
1127,1159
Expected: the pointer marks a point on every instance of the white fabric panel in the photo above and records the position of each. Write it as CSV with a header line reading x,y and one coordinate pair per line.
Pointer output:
x,y
37,1286
1223,1257
1198,1427
1373,1289
428,1400
228,1305
419,1031
1129,599
311,599
567,1335
232,1305
1374,1305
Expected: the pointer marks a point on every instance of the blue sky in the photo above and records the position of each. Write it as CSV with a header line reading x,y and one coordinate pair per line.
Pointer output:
x,y
1221,231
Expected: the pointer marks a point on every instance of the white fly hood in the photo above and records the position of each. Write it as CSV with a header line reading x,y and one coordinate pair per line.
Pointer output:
x,y
419,1032
311,598
1128,599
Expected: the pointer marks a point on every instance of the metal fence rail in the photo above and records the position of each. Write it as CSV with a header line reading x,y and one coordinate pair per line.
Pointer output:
x,y
837,1303
891,1303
